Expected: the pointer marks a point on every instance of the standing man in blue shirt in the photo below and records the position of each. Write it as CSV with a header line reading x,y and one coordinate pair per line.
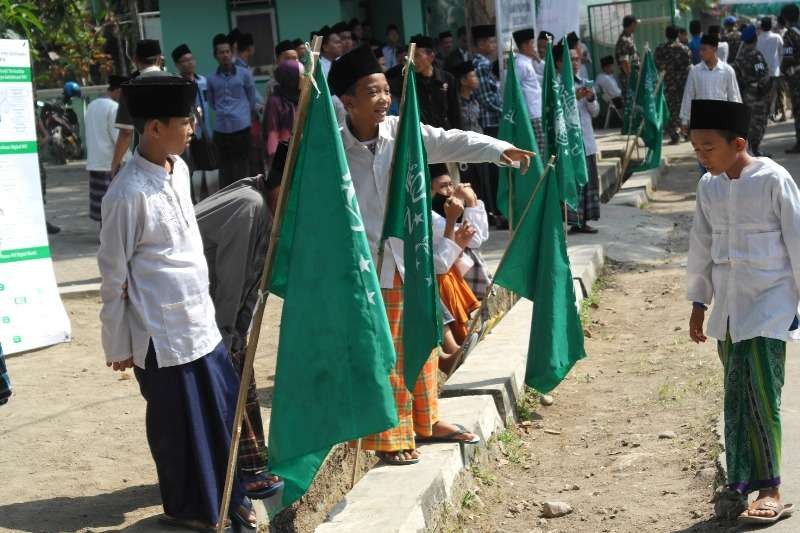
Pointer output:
x,y
696,29
232,95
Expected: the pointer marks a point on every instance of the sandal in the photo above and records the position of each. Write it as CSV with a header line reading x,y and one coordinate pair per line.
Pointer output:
x,y
274,484
242,515
389,459
452,437
194,525
778,509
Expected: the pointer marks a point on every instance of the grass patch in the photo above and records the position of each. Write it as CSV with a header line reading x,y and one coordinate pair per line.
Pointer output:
x,y
511,445
670,393
484,475
526,407
592,301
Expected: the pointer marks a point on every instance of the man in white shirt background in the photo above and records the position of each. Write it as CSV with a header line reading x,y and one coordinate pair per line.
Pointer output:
x,y
608,84
770,44
101,138
710,79
529,80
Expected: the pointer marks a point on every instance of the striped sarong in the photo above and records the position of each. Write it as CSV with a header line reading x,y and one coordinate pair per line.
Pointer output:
x,y
418,412
753,379
98,185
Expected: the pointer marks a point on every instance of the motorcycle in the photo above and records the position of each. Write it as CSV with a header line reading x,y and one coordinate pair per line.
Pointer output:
x,y
62,125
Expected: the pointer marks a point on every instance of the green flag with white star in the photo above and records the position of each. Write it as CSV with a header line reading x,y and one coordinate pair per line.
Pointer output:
x,y
335,349
408,217
516,128
574,130
555,131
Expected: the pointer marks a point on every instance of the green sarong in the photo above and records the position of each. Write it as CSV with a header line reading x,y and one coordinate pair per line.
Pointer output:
x,y
754,371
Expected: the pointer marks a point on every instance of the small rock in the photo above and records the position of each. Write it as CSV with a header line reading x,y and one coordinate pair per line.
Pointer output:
x,y
546,400
552,432
667,435
526,423
555,509
697,514
542,522
709,474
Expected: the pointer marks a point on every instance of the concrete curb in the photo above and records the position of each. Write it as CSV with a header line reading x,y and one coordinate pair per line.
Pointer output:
x,y
404,499
81,290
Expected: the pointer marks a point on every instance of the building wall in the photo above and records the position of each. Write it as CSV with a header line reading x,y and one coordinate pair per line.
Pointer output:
x,y
196,27
297,19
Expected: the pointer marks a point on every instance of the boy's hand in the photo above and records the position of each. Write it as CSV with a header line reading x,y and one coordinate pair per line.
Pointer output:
x,y
121,365
125,290
465,192
453,208
517,154
464,234
696,324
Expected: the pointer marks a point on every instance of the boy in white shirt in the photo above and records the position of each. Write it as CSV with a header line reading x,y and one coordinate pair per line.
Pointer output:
x,y
368,135
157,315
744,254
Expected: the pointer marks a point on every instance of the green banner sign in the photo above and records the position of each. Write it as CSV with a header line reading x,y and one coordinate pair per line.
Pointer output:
x,y
18,147
18,74
24,254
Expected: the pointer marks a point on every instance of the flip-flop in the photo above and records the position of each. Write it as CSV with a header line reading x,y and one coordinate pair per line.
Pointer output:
x,y
266,492
452,437
386,457
239,519
768,504
194,525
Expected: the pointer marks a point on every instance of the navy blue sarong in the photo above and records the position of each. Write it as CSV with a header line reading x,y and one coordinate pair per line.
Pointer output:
x,y
190,411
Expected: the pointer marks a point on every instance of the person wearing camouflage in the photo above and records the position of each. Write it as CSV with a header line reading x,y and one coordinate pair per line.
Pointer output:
x,y
752,73
625,52
673,59
790,66
732,36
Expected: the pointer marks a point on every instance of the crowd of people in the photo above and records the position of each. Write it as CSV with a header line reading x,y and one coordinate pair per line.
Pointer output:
x,y
180,263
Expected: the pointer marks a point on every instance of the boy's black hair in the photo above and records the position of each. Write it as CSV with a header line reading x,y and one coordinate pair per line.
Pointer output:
x,y
695,27
391,27
671,33
729,135
219,39
140,123
766,24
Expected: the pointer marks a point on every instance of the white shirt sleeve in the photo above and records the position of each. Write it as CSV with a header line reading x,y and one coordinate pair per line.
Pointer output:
x,y
733,86
787,207
118,237
688,96
480,221
448,146
699,265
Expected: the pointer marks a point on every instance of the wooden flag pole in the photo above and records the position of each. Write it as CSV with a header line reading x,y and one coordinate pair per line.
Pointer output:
x,y
266,277
381,247
633,108
473,324
629,152
510,181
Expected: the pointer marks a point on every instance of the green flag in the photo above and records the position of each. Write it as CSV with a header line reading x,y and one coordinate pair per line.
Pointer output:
x,y
516,128
536,266
631,117
335,350
654,110
555,131
574,130
408,217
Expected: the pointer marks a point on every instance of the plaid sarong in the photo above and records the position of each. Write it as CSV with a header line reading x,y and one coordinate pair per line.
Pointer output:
x,y
418,412
252,447
589,197
478,277
538,132
754,374
5,381
98,185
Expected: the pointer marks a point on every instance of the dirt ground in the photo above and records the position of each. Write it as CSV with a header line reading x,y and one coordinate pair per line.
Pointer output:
x,y
629,443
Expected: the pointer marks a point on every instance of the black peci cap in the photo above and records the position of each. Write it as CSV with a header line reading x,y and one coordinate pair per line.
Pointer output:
x,y
720,115
423,41
147,48
545,35
438,169
607,60
523,36
710,40
351,67
160,96
115,81
462,69
484,31
284,46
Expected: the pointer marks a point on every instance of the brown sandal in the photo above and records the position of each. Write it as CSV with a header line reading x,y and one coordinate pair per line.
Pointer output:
x,y
778,509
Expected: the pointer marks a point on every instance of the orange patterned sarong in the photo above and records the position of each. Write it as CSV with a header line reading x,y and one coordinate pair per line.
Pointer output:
x,y
459,300
418,412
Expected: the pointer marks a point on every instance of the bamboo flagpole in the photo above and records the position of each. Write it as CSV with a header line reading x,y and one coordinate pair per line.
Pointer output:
x,y
628,150
412,48
266,278
510,180
473,325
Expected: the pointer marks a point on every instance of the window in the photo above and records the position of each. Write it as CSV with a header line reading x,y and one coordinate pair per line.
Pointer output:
x,y
150,26
261,23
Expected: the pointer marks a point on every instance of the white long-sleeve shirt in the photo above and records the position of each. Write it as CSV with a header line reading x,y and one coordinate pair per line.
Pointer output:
x,y
101,135
744,252
609,85
371,174
770,44
529,83
703,83
150,240
446,251
587,110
